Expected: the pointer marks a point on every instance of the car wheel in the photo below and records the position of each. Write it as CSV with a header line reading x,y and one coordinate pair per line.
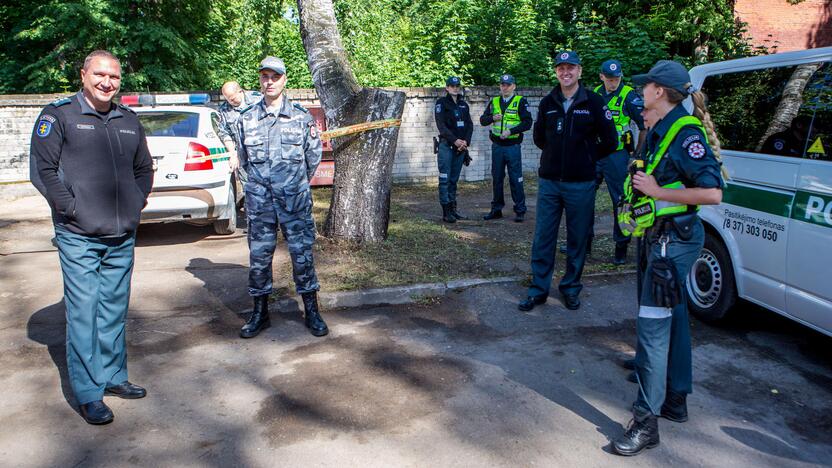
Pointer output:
x,y
711,287
226,227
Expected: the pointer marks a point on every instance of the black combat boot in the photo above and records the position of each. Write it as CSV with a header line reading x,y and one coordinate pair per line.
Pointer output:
x,y
259,319
312,318
675,407
493,214
643,433
447,214
620,253
455,213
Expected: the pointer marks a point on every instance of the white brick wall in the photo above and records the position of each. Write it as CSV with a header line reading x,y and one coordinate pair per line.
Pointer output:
x,y
414,161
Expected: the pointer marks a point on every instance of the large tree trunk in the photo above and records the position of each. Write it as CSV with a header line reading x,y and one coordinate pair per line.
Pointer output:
x,y
790,101
360,207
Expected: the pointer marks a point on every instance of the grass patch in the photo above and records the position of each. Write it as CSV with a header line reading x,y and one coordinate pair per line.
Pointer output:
x,y
421,249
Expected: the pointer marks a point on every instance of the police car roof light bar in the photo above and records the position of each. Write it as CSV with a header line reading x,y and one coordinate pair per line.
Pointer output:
x,y
165,99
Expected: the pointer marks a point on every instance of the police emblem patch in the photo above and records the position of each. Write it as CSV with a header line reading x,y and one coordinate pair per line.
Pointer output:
x,y
608,114
44,127
564,56
778,145
438,108
613,67
696,150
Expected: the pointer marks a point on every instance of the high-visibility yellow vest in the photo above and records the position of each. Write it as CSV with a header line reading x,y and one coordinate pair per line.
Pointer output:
x,y
639,215
616,107
511,116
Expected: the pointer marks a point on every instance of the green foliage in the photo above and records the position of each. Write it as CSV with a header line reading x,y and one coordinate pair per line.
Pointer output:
x,y
199,44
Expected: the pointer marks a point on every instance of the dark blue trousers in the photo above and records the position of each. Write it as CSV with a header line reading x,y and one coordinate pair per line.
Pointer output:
x,y
450,166
553,197
663,354
613,169
96,274
502,158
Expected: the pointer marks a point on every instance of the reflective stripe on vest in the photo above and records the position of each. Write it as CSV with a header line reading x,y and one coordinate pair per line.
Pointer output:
x,y
511,116
616,107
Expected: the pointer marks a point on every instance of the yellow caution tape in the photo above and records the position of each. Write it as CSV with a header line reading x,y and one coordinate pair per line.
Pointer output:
x,y
358,128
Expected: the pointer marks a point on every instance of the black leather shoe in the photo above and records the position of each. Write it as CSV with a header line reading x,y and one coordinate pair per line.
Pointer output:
x,y
519,217
620,254
455,213
643,433
312,318
629,364
126,390
530,302
493,214
96,412
447,214
571,301
259,319
631,377
675,407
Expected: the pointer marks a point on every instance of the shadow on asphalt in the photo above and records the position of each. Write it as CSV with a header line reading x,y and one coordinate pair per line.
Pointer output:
x,y
48,327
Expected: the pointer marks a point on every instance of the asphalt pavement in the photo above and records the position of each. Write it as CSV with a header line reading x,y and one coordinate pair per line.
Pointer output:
x,y
460,380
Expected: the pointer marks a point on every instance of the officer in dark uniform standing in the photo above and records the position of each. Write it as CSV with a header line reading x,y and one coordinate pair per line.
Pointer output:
x,y
280,149
509,116
453,119
680,172
626,106
92,164
574,129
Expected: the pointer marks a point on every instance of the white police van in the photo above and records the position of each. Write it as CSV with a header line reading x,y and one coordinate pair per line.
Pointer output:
x,y
191,180
770,241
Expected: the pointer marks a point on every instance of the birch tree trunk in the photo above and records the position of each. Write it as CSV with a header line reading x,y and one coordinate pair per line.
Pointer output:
x,y
360,208
790,101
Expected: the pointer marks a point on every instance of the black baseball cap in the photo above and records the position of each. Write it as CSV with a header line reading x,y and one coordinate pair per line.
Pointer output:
x,y
667,73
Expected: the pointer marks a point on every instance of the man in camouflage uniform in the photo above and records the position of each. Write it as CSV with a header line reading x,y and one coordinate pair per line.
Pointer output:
x,y
236,101
279,150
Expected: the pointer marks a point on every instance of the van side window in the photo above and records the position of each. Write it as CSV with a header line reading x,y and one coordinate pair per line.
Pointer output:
x,y
774,110
815,115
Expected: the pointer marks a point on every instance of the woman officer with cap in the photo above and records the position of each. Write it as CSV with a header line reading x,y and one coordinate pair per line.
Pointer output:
x,y
682,172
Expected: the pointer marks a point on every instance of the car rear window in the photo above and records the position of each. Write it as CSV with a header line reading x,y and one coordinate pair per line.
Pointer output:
x,y
170,124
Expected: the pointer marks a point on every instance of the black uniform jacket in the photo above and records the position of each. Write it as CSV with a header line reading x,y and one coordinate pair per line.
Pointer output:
x,y
487,118
94,170
453,119
574,140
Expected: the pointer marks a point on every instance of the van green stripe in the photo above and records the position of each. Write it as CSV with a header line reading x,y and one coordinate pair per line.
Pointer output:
x,y
778,204
801,202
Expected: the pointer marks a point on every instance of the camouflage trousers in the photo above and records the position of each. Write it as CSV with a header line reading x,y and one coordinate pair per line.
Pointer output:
x,y
292,213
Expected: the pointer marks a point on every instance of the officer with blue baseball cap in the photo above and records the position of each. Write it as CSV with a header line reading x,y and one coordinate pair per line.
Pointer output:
x,y
626,106
453,120
508,115
575,130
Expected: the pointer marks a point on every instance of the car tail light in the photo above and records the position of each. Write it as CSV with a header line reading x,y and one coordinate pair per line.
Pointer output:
x,y
198,158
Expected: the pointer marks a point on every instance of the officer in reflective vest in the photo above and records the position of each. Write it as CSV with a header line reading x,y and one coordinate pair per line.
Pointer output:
x,y
681,172
509,116
626,106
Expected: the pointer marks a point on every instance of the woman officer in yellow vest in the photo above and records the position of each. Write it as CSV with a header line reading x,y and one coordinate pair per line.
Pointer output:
x,y
681,172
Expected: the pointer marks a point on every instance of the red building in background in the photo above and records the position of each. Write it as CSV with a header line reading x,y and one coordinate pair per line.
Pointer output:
x,y
795,25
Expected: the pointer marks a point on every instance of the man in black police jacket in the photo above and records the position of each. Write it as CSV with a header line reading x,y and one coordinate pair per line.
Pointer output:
x,y
574,129
90,160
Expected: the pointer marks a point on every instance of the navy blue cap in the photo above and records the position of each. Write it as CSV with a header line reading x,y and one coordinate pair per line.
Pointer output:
x,y
453,81
611,68
667,73
507,79
567,56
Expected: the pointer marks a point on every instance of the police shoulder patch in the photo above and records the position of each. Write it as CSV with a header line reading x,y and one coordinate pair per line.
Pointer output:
x,y
300,108
438,107
60,102
608,114
779,145
690,139
696,150
44,127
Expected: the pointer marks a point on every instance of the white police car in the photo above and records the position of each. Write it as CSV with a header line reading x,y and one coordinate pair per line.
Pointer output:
x,y
770,241
191,180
